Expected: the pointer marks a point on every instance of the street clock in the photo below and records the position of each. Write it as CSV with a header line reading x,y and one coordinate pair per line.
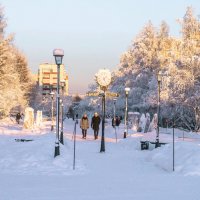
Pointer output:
x,y
103,77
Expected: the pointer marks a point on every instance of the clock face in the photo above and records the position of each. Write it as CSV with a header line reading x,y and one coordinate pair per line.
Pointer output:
x,y
103,77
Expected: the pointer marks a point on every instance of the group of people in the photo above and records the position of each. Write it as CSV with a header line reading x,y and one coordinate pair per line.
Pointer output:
x,y
95,122
116,121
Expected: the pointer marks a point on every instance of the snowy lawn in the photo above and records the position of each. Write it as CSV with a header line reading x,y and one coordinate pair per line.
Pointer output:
x,y
28,170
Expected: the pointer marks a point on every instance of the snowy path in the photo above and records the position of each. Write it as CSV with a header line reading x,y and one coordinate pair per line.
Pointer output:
x,y
123,172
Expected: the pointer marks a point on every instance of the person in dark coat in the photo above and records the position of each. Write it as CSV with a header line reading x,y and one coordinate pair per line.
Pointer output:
x,y
116,121
84,125
113,122
18,117
96,120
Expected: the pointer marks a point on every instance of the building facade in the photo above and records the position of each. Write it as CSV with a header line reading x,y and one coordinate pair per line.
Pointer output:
x,y
47,78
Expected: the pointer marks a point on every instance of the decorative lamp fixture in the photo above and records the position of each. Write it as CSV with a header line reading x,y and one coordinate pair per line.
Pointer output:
x,y
58,54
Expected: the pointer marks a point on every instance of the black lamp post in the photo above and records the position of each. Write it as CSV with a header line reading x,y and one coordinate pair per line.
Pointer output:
x,y
61,128
43,104
58,54
173,144
114,112
102,149
126,112
114,118
159,79
173,134
52,95
62,112
99,108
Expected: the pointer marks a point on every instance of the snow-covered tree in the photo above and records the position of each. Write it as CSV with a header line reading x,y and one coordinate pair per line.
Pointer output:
x,y
11,93
2,22
154,50
14,73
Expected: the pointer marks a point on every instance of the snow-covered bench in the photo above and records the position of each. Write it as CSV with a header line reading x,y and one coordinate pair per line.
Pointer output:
x,y
22,140
145,144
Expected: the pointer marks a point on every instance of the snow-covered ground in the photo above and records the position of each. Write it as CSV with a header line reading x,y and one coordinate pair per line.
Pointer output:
x,y
29,171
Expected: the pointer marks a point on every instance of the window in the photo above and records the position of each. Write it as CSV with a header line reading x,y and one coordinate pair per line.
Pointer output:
x,y
46,75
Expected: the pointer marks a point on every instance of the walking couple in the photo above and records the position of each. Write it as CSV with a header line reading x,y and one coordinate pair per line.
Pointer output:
x,y
84,125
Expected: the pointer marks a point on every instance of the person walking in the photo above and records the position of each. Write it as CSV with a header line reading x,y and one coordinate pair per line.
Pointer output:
x,y
113,122
18,117
118,121
96,120
84,125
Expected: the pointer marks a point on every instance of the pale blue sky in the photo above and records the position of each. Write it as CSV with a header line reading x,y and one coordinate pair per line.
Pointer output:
x,y
93,33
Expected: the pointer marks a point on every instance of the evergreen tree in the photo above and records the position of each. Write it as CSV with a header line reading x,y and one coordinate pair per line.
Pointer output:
x,y
154,50
2,23
10,91
14,73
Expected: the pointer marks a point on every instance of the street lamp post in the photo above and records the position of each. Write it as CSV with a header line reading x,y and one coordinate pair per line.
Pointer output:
x,y
52,95
99,108
114,111
159,79
62,112
126,112
102,149
61,129
173,143
58,54
44,100
114,117
173,135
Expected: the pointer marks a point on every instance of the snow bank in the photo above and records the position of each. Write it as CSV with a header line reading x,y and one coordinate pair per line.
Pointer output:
x,y
187,158
36,157
8,126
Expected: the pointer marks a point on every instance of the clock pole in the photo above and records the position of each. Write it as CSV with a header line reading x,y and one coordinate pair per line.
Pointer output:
x,y
103,122
103,78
